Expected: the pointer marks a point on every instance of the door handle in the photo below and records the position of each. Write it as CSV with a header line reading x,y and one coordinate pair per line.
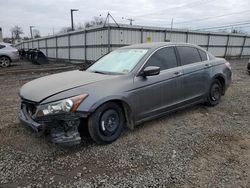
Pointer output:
x,y
178,73
207,65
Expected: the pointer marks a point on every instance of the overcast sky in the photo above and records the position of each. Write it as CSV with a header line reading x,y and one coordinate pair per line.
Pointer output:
x,y
49,15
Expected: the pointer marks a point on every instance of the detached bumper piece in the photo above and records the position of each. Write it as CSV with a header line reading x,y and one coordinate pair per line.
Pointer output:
x,y
63,128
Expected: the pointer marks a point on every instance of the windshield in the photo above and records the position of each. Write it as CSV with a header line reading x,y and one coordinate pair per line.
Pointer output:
x,y
118,62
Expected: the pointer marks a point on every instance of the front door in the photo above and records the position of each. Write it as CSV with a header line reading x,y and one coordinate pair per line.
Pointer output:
x,y
154,94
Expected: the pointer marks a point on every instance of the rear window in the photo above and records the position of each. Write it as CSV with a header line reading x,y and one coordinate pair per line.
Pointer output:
x,y
188,55
2,46
203,55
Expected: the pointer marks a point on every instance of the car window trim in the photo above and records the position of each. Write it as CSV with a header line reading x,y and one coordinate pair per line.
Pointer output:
x,y
140,69
200,54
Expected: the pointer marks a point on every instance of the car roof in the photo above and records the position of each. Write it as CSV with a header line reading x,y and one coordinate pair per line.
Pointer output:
x,y
155,45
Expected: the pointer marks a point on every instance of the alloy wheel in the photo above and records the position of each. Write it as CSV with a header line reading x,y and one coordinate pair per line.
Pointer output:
x,y
4,61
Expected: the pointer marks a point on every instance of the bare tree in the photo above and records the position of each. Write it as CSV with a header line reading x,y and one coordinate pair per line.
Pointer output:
x,y
16,31
65,30
96,21
80,26
36,33
25,38
87,24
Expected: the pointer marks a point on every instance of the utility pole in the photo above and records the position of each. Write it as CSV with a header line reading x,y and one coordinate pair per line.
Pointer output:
x,y
72,19
12,36
172,23
130,20
1,35
31,34
109,28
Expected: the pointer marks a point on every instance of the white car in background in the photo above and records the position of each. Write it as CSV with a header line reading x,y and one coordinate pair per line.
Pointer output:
x,y
8,54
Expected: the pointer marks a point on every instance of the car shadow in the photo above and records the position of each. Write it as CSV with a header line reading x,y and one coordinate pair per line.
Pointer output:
x,y
87,142
175,114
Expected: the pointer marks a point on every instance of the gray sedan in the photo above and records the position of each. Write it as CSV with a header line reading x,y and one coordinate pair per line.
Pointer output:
x,y
126,87
8,54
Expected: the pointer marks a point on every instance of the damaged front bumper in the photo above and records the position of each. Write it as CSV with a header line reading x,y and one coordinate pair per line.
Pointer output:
x,y
63,128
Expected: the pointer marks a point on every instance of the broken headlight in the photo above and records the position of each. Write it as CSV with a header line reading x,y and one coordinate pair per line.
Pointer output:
x,y
65,105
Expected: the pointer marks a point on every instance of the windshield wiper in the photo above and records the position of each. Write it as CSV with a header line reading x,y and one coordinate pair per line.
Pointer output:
x,y
106,72
99,72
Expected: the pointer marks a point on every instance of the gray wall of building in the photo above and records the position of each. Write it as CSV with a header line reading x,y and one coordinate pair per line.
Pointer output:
x,y
92,43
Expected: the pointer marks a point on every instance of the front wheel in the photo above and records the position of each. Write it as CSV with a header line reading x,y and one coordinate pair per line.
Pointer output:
x,y
105,125
4,61
214,94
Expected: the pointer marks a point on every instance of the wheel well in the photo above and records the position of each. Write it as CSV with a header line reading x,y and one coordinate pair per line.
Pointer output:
x,y
6,56
83,130
222,82
127,112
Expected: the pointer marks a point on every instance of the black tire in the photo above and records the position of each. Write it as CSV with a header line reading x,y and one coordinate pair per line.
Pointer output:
x,y
215,93
105,125
4,61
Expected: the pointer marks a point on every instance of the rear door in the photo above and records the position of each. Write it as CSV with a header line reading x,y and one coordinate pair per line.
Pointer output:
x,y
154,94
195,73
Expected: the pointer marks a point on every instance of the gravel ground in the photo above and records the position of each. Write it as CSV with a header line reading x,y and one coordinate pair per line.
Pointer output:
x,y
195,147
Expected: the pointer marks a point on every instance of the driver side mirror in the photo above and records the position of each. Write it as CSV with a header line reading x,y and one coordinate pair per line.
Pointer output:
x,y
150,71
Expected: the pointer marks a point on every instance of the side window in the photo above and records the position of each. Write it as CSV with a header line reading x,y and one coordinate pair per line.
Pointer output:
x,y
203,55
188,55
164,58
2,46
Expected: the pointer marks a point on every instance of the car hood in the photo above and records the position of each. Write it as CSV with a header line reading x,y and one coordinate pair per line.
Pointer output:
x,y
44,87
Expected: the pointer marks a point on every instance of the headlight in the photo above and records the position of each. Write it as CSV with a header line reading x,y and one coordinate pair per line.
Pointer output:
x,y
66,105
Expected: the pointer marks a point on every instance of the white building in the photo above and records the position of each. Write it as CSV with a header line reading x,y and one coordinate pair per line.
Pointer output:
x,y
1,35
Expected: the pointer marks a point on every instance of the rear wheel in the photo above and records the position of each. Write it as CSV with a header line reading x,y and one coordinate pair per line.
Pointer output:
x,y
4,61
105,125
215,93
